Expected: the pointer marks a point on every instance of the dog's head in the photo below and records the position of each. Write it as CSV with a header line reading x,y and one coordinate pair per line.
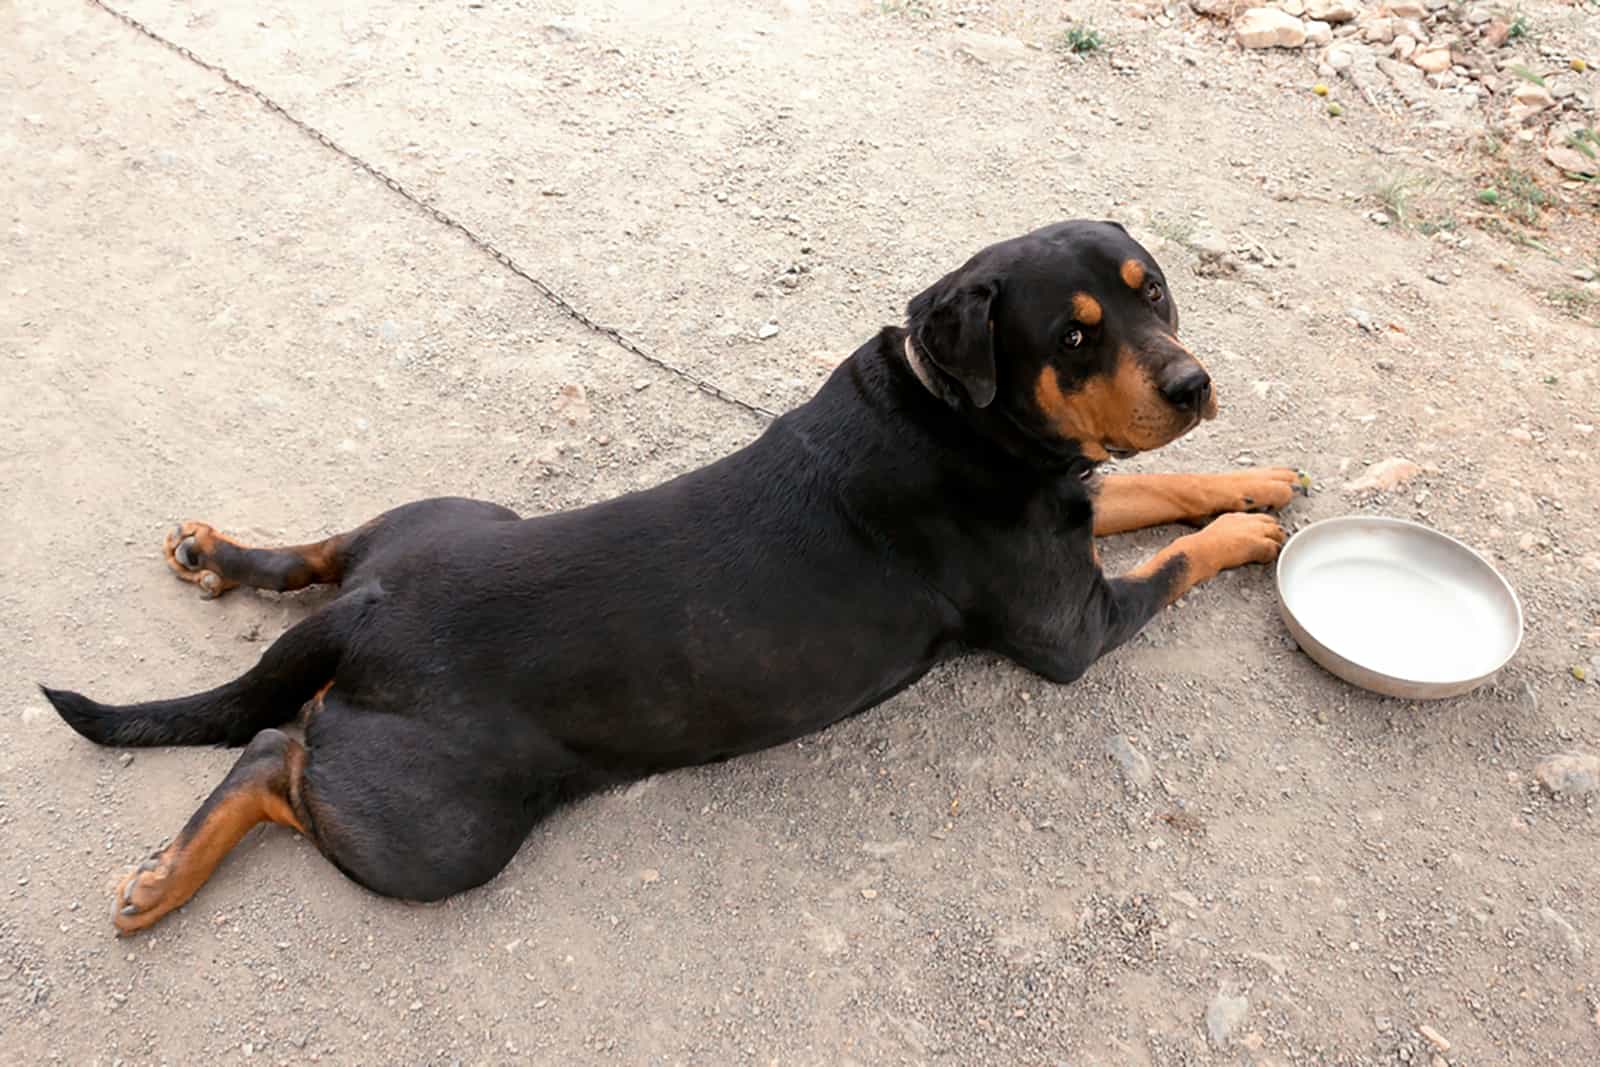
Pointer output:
x,y
1066,337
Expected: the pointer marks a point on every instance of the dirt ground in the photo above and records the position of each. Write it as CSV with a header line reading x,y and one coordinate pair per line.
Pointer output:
x,y
203,314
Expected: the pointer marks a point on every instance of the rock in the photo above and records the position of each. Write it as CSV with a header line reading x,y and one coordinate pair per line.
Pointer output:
x,y
649,876
1267,27
1403,46
1406,9
125,759
1380,31
1363,318
1339,56
1479,15
1569,773
1497,34
1564,931
1212,8
1208,245
1529,94
1364,75
989,49
1435,1038
767,330
1333,10
568,28
1224,1016
1318,33
571,403
1293,7
1385,475
1432,61
1408,80
1523,115
1135,765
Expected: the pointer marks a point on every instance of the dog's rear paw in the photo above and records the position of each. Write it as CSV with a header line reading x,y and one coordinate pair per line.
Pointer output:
x,y
146,894
191,553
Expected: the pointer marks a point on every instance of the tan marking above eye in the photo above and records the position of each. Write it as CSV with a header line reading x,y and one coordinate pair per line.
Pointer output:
x,y
1132,273
1086,309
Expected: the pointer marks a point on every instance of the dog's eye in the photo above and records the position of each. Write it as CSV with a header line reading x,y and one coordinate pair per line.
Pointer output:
x,y
1152,292
1074,338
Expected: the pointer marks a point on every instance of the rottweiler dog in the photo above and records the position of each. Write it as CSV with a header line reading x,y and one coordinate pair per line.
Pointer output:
x,y
939,493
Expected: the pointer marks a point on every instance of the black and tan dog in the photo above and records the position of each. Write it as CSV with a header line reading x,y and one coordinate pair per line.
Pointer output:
x,y
939,493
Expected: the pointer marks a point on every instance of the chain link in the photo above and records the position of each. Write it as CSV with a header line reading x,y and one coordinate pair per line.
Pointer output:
x,y
705,385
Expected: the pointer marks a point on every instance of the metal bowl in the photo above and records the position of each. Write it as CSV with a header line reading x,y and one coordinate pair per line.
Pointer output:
x,y
1397,608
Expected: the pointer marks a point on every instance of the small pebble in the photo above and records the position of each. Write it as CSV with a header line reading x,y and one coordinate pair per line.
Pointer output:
x,y
1135,765
1385,475
1224,1016
1570,773
768,329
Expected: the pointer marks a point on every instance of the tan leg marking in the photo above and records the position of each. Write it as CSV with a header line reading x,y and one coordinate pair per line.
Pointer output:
x,y
1232,540
1136,501
260,792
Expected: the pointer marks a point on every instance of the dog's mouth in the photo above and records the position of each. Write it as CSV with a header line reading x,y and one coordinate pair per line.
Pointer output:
x,y
1128,451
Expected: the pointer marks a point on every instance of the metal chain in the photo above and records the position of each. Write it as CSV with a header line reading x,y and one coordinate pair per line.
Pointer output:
x,y
617,336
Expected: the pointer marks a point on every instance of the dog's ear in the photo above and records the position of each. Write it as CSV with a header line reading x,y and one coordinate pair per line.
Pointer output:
x,y
952,324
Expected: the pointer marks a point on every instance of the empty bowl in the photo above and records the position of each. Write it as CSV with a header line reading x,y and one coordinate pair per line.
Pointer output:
x,y
1396,607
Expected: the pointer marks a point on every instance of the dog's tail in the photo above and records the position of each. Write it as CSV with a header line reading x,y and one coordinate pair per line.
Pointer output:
x,y
290,672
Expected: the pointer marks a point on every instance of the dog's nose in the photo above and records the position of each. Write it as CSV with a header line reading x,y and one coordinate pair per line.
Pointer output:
x,y
1189,389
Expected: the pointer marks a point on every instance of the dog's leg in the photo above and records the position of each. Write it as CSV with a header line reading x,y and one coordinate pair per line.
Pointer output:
x,y
1062,639
1134,501
264,786
216,563
1232,540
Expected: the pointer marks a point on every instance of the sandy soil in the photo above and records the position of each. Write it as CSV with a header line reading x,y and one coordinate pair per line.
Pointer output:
x,y
205,315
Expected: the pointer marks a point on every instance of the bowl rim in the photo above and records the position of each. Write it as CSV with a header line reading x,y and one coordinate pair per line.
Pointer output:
x,y
1391,520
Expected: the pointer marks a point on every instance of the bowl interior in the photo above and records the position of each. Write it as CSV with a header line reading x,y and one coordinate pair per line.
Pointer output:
x,y
1400,599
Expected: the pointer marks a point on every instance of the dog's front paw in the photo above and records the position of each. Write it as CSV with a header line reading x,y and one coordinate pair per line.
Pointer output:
x,y
1238,538
1261,489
